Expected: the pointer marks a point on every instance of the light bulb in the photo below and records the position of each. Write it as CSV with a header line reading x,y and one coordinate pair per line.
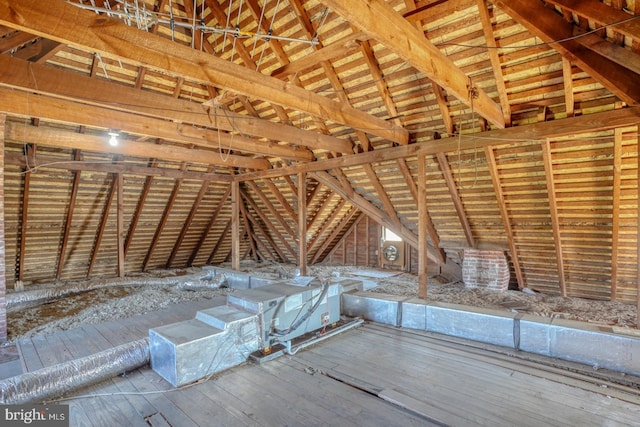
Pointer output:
x,y
113,138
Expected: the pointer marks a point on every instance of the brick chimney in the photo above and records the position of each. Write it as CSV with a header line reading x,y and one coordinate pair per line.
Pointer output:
x,y
485,269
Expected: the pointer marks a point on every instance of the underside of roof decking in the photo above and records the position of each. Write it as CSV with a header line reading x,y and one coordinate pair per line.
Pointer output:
x,y
529,146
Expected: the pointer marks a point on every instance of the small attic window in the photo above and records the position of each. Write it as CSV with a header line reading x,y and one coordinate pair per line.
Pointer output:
x,y
390,236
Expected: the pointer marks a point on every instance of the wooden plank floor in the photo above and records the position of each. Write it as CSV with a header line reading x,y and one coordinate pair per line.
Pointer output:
x,y
370,376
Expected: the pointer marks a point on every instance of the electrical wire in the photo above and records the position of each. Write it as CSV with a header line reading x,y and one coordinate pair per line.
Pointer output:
x,y
549,43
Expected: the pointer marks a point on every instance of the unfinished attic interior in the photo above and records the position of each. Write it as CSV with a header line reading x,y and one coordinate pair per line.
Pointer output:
x,y
236,201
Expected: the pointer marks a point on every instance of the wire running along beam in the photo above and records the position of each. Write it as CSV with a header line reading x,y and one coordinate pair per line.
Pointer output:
x,y
145,19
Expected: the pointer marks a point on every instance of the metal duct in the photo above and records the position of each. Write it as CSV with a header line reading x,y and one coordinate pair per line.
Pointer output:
x,y
19,300
62,378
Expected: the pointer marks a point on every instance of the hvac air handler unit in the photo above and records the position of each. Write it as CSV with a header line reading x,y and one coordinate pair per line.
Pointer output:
x,y
253,320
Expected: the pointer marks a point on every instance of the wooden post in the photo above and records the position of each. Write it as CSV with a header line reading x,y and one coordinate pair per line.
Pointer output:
x,y
422,227
3,278
120,225
638,239
302,223
235,225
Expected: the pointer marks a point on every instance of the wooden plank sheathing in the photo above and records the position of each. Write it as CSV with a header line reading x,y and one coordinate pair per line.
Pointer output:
x,y
583,176
524,186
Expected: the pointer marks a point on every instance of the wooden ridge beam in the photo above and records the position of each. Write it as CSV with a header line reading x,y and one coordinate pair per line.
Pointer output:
x,y
414,47
111,38
537,131
127,147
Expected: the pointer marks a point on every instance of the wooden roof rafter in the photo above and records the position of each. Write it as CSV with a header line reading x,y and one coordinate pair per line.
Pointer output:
x,y
163,221
53,82
187,223
413,48
267,223
111,38
70,209
551,27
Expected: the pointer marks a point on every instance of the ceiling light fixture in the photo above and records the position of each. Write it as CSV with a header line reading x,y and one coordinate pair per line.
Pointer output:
x,y
113,137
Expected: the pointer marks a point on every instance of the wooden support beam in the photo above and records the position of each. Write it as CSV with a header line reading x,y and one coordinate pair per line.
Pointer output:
x,y
187,223
338,49
445,168
120,225
444,108
57,83
281,199
103,224
128,147
615,211
271,208
638,234
318,213
267,221
163,220
336,231
326,225
494,57
537,131
367,207
136,215
67,224
115,39
414,47
302,223
602,14
555,222
221,238
3,246
26,188
567,77
422,228
280,256
53,162
550,26
382,194
249,233
431,229
212,221
235,225
497,187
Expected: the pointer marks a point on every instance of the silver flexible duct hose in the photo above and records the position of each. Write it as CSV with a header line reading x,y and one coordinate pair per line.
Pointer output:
x,y
56,380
